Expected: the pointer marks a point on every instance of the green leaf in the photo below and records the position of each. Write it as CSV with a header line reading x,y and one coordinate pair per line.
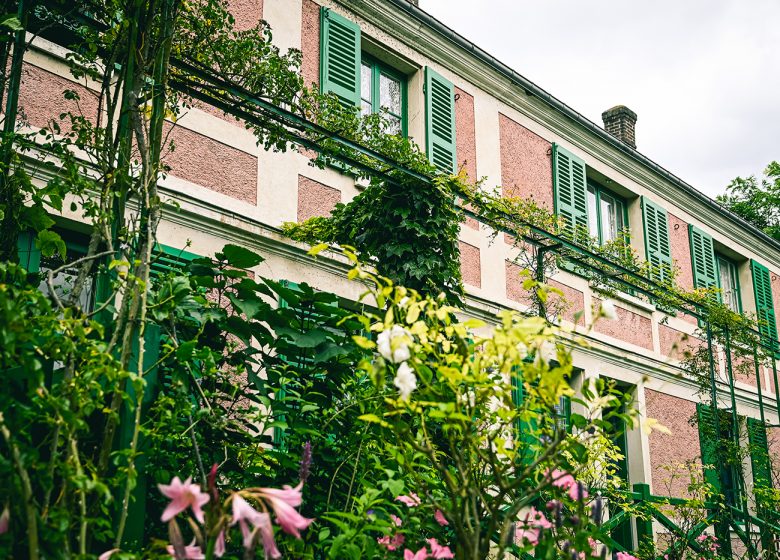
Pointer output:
x,y
10,21
50,243
240,257
36,217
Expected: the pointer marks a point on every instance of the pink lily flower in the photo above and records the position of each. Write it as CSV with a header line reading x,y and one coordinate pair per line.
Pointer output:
x,y
396,520
440,519
267,534
535,518
183,495
561,479
574,493
245,515
421,554
412,500
391,543
219,546
439,551
108,554
5,518
625,556
191,552
283,503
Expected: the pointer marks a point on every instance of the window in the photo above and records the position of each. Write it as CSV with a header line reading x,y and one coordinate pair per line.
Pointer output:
x,y
729,283
383,90
607,216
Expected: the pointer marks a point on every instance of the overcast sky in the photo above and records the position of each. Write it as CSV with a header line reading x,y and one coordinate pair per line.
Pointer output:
x,y
703,75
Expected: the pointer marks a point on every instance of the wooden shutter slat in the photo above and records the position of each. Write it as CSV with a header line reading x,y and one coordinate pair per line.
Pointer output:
x,y
703,262
708,444
340,57
765,309
570,190
440,121
659,252
759,453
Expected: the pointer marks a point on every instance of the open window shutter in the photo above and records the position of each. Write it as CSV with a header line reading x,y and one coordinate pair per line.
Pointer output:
x,y
29,254
340,57
708,444
705,270
759,453
569,185
765,309
440,121
659,252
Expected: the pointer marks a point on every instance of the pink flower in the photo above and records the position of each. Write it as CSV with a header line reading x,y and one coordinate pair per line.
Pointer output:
x,y
625,556
191,552
561,479
183,495
107,554
421,554
396,520
391,544
245,515
574,492
440,519
526,535
412,500
267,534
439,551
283,503
219,546
4,520
535,518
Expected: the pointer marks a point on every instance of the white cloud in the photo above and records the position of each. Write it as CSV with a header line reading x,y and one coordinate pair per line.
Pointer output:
x,y
703,75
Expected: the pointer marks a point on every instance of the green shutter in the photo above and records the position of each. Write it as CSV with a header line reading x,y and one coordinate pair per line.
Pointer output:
x,y
569,186
167,259
759,453
708,444
340,57
765,309
29,254
440,121
705,270
659,252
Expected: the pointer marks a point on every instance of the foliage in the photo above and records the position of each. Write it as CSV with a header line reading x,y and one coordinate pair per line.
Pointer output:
x,y
756,202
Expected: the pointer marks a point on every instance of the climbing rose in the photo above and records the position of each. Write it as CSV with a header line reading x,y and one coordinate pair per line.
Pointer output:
x,y
393,344
608,310
405,380
183,495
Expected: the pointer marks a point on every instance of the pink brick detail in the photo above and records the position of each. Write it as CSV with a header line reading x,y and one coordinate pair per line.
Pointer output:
x,y
629,326
681,251
526,164
211,164
775,282
573,301
773,436
675,344
466,140
470,266
247,13
744,370
315,199
41,98
310,43
671,449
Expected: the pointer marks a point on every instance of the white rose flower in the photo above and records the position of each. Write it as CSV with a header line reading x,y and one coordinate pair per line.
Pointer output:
x,y
393,344
608,310
405,380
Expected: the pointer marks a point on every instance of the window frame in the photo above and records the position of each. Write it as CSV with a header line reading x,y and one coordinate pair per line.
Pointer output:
x,y
598,189
377,69
734,268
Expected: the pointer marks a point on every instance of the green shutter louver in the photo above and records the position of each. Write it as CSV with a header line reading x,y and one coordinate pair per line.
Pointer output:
x,y
759,453
168,259
340,57
569,186
29,254
765,309
440,121
659,252
708,444
703,263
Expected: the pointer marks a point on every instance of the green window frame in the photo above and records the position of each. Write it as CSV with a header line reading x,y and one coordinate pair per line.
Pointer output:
x,y
765,308
622,533
373,97
731,294
597,193
759,453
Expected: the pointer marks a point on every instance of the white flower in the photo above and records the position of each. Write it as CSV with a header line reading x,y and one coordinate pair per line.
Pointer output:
x,y
405,380
608,310
522,350
393,344
547,351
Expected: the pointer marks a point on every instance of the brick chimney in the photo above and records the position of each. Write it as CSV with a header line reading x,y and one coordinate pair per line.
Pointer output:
x,y
620,122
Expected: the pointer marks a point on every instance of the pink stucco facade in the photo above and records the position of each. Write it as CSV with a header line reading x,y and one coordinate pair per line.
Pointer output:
x,y
572,303
681,251
41,98
629,326
675,344
315,199
526,164
466,141
310,43
470,264
667,450
211,164
247,13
